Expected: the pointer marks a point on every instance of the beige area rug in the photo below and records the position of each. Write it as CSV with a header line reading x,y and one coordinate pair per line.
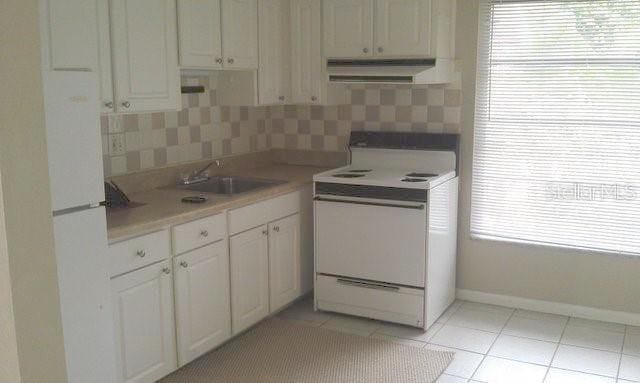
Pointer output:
x,y
279,351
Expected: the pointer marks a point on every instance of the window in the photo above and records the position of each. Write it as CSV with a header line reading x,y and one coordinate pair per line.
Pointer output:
x,y
557,130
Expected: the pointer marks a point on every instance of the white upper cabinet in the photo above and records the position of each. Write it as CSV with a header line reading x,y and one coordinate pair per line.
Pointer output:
x,y
284,261
249,277
240,33
388,28
145,55
306,54
200,33
274,84
203,310
402,28
69,34
217,34
104,53
348,28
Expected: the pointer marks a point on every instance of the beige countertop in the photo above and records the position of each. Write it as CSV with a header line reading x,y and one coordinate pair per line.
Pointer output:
x,y
163,207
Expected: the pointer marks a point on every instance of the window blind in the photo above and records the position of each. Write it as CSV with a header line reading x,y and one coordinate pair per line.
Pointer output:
x,y
557,124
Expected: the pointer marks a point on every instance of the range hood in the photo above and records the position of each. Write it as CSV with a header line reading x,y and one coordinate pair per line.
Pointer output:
x,y
390,71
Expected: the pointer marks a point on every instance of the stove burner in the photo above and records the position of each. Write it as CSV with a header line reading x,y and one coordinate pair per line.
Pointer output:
x,y
347,175
413,180
360,171
423,175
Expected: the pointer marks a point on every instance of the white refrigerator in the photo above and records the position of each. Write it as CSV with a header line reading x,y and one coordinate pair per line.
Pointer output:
x,y
72,120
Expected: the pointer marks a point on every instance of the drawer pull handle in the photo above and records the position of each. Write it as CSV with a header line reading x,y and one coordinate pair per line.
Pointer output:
x,y
141,253
265,232
204,233
184,264
166,270
368,285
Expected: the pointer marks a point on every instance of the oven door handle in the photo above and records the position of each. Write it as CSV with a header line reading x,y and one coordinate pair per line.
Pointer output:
x,y
415,207
368,285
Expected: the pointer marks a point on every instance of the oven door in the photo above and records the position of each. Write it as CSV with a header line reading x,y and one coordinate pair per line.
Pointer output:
x,y
377,240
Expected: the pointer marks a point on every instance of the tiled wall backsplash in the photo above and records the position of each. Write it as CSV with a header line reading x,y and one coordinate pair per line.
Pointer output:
x,y
203,129
433,109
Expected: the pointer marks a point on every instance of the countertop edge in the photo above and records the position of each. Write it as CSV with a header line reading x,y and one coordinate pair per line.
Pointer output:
x,y
123,233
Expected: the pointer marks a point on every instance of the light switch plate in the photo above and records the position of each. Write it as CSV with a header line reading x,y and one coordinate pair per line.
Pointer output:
x,y
116,144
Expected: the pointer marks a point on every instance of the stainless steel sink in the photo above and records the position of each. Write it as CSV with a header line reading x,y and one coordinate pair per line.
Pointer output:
x,y
231,185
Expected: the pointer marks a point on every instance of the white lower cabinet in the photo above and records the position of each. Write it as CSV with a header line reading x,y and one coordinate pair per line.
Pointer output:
x,y
144,323
249,253
284,261
222,284
203,313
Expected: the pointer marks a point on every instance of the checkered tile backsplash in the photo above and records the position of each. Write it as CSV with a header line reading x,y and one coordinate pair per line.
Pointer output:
x,y
203,129
434,109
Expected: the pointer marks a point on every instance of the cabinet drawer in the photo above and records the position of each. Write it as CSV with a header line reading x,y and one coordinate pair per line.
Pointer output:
x,y
260,213
198,233
356,297
138,252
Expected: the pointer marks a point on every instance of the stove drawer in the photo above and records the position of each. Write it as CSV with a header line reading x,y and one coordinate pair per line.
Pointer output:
x,y
378,241
371,300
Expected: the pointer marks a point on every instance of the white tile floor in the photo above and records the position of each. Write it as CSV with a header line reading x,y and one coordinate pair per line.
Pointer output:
x,y
495,344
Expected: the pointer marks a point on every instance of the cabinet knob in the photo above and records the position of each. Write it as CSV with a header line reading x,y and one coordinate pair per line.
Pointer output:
x,y
265,232
126,104
314,98
219,60
166,270
281,98
141,253
108,104
277,228
184,264
230,61
365,50
380,49
204,233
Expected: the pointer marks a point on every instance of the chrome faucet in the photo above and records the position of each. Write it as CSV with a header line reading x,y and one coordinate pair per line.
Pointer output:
x,y
199,175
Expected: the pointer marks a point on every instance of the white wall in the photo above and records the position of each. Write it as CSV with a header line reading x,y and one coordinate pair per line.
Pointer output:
x,y
29,252
566,276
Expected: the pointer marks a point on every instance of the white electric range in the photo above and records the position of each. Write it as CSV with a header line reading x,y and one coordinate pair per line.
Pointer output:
x,y
386,228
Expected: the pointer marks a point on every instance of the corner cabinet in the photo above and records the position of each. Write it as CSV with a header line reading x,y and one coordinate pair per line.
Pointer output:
x,y
144,324
309,83
203,312
249,253
284,261
273,75
145,55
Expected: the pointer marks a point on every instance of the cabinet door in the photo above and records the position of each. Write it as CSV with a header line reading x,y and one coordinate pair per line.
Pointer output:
x,y
203,313
104,52
249,278
240,33
306,56
284,261
199,33
402,27
144,324
69,34
348,28
145,53
274,85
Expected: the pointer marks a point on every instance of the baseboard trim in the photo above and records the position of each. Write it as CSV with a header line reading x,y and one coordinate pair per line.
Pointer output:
x,y
550,307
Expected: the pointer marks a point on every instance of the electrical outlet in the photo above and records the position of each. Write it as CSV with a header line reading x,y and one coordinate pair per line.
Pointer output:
x,y
116,144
